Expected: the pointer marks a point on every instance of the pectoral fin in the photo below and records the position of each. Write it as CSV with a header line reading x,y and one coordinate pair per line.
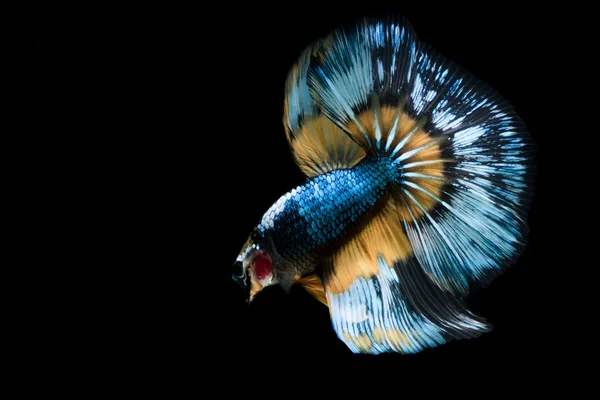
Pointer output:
x,y
312,284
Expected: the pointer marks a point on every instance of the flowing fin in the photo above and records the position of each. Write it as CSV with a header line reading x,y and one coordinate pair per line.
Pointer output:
x,y
360,78
313,285
318,145
464,156
466,217
381,301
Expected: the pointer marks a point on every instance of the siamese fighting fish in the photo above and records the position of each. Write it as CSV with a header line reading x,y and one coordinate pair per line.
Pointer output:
x,y
417,191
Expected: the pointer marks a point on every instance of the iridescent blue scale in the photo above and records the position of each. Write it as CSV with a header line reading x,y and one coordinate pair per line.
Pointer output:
x,y
325,209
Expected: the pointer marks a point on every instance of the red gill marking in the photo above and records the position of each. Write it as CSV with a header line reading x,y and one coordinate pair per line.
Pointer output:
x,y
262,267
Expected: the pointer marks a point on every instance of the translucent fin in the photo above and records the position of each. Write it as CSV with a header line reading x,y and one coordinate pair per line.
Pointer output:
x,y
312,284
318,145
381,301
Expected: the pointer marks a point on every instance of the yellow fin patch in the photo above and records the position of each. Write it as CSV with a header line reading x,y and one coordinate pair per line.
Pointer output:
x,y
422,162
313,286
320,146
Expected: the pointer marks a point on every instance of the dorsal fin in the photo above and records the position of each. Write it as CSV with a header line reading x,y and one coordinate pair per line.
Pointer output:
x,y
360,78
318,145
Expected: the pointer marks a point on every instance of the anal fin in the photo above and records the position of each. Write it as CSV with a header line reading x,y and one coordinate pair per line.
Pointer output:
x,y
381,300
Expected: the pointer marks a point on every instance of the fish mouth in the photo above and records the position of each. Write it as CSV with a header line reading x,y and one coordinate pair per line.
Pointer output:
x,y
239,275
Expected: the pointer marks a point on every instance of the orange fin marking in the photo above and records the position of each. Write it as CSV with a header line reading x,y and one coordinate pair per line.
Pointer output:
x,y
382,236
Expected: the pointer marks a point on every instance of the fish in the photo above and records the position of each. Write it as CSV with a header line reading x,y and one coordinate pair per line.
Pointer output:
x,y
418,186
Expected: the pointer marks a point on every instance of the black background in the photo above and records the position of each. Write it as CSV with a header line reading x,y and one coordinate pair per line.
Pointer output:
x,y
169,135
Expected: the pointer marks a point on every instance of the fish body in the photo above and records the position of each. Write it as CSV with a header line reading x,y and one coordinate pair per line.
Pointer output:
x,y
417,191
305,224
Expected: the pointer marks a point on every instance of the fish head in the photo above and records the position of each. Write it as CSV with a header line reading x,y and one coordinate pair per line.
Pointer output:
x,y
253,268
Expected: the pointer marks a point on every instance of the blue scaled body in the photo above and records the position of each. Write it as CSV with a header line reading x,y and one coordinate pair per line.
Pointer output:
x,y
323,210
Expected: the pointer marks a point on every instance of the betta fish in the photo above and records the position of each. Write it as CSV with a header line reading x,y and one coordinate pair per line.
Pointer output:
x,y
417,190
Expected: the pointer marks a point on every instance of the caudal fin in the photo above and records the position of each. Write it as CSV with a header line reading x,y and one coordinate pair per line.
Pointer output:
x,y
464,156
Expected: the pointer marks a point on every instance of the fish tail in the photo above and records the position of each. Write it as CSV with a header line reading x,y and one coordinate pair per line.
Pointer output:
x,y
462,157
